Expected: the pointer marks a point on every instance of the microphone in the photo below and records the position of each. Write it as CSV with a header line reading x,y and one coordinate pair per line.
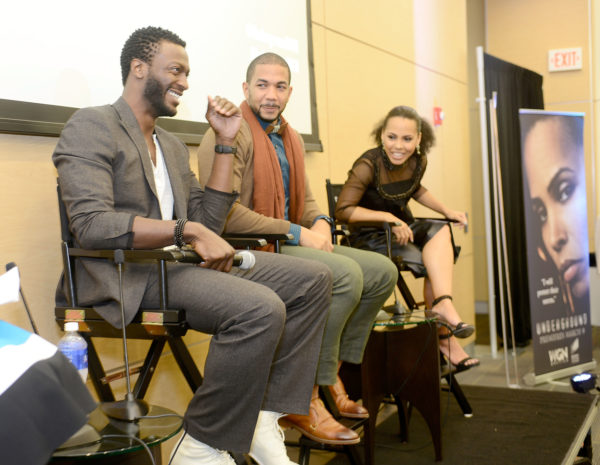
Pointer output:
x,y
243,259
10,266
130,408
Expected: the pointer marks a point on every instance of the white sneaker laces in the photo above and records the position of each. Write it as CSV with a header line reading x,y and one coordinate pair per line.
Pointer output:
x,y
277,427
268,446
191,451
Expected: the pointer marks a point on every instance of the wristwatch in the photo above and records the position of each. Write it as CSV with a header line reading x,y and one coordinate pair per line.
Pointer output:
x,y
225,149
329,219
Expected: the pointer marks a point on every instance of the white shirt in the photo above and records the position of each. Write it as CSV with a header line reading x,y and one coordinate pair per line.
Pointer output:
x,y
163,183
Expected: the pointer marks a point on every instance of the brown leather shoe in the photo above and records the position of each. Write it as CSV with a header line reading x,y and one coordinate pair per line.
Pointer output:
x,y
319,425
347,407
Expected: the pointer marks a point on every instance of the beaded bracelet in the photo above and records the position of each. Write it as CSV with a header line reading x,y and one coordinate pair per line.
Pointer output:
x,y
178,232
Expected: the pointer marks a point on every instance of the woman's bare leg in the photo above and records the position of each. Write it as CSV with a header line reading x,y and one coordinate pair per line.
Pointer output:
x,y
449,346
438,258
455,353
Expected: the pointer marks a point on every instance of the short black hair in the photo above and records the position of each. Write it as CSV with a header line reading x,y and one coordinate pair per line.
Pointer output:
x,y
143,45
268,58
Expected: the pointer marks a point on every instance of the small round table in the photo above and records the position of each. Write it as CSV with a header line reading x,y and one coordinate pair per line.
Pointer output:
x,y
104,440
401,358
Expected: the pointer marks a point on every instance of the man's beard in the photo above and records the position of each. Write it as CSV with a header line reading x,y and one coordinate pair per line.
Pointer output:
x,y
155,95
268,120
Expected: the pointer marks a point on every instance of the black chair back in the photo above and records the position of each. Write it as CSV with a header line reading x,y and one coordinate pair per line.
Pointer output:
x,y
333,194
65,232
161,325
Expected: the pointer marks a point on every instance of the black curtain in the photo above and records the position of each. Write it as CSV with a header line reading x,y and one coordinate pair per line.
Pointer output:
x,y
516,88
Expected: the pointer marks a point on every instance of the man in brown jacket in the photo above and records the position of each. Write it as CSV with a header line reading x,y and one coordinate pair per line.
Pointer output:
x,y
275,197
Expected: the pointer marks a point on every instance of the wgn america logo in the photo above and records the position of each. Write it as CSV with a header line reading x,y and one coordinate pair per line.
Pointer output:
x,y
560,355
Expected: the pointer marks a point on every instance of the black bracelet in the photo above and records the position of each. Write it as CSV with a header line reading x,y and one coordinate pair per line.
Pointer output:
x,y
178,232
225,149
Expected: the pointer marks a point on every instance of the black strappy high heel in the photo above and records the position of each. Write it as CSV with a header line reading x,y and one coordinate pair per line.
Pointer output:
x,y
461,330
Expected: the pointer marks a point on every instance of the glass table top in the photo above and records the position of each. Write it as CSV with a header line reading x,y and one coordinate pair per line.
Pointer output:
x,y
405,319
104,436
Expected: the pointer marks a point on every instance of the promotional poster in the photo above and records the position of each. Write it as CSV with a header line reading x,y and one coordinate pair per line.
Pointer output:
x,y
557,238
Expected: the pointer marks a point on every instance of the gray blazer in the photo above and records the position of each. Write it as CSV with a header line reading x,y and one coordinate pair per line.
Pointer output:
x,y
106,178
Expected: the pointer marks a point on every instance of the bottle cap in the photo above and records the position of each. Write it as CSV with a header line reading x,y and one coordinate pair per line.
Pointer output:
x,y
71,326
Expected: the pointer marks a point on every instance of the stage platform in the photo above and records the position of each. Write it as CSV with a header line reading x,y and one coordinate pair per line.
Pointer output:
x,y
510,426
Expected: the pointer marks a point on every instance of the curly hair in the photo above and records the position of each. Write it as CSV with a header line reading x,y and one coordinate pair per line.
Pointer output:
x,y
427,134
143,45
268,58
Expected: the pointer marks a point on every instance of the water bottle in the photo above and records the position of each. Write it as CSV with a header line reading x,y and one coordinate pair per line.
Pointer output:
x,y
74,347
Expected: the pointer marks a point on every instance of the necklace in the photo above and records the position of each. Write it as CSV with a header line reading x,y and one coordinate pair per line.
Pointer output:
x,y
388,165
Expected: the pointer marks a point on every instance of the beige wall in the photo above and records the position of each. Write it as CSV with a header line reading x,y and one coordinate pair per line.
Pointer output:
x,y
369,56
522,33
476,38
509,37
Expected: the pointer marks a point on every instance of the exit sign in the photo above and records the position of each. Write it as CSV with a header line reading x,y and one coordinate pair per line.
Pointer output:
x,y
564,59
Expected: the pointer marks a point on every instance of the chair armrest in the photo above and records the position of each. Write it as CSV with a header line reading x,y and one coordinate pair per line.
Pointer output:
x,y
274,239
174,254
245,240
267,237
384,225
387,225
129,255
168,254
431,218
443,220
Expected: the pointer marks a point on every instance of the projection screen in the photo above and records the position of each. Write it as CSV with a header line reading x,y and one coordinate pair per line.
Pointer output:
x,y
64,55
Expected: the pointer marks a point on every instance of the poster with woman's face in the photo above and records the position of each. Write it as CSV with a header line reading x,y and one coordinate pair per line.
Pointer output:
x,y
557,239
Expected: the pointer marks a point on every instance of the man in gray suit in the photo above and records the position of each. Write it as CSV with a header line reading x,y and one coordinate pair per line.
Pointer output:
x,y
127,183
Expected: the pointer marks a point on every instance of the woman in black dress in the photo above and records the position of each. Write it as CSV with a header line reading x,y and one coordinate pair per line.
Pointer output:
x,y
378,188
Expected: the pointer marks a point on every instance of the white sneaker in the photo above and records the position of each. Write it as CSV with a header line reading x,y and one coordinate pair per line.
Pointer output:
x,y
194,452
267,446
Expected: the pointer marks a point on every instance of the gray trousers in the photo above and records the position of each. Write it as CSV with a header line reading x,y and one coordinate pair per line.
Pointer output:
x,y
362,282
267,325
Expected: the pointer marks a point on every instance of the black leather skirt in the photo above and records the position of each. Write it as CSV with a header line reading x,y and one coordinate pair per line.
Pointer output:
x,y
409,255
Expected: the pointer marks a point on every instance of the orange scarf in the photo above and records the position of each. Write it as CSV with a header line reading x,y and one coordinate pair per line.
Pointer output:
x,y
269,195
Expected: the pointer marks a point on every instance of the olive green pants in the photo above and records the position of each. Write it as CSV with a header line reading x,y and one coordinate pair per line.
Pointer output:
x,y
362,282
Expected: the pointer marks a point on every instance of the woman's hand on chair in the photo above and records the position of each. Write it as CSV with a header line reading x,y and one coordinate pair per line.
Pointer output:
x,y
458,216
402,234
